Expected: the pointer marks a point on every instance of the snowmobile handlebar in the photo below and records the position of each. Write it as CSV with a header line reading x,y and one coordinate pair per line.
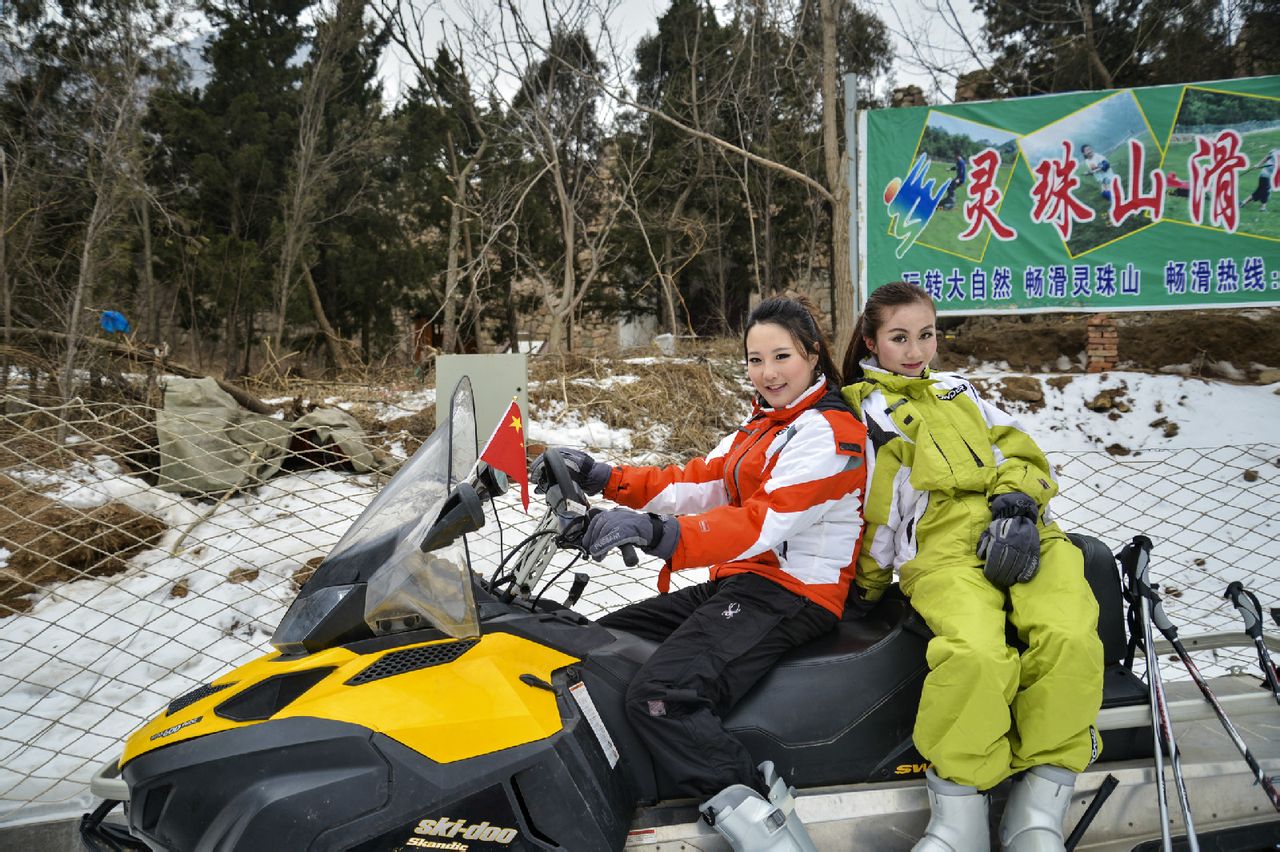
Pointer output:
x,y
569,502
562,528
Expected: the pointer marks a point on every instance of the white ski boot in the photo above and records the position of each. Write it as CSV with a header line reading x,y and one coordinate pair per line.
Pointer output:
x,y
1038,803
752,823
958,818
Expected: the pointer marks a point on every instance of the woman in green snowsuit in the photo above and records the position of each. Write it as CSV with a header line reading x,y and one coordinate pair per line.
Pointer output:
x,y
958,506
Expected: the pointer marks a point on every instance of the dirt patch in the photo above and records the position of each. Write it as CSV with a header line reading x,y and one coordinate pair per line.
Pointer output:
x,y
1201,338
239,576
1031,343
415,428
1203,341
50,542
123,432
1110,399
1059,383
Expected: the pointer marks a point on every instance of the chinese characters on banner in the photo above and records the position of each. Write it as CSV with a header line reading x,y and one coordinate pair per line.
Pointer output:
x,y
1138,199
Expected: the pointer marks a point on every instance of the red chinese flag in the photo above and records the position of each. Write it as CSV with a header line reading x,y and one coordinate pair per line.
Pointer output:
x,y
505,450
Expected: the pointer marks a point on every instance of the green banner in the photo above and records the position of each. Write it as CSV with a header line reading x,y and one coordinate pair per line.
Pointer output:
x,y
1156,198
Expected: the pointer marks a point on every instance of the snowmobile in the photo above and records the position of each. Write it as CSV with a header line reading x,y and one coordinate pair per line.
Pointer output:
x,y
413,701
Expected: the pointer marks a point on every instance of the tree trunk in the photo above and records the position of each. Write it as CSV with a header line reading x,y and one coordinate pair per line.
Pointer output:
x,y
150,300
562,307
6,297
722,278
513,330
246,352
333,343
84,283
836,165
232,341
1091,45
449,344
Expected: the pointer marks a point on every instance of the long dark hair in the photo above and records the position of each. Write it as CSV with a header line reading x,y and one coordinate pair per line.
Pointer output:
x,y
798,317
882,300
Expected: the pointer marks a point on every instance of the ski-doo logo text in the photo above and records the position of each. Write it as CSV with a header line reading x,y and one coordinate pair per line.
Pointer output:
x,y
446,827
731,610
168,732
953,393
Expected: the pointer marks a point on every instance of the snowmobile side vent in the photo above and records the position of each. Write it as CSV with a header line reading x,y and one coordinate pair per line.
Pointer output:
x,y
267,698
413,659
204,690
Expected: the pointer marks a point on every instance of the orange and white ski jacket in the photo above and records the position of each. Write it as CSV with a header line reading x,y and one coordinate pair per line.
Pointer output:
x,y
780,497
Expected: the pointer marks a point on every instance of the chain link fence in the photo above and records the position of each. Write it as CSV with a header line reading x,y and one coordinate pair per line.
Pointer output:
x,y
118,594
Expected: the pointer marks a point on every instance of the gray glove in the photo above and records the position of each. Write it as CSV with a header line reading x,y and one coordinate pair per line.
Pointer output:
x,y
656,535
591,475
1015,504
1011,548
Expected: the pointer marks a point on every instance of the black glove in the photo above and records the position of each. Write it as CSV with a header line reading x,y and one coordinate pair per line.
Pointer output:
x,y
1011,548
656,535
591,475
1015,504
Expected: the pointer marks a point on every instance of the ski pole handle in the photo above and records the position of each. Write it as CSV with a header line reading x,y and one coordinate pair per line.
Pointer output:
x,y
1247,603
1142,588
1133,558
629,557
1142,559
1158,618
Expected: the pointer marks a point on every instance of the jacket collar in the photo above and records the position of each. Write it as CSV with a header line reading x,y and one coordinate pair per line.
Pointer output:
x,y
810,396
874,373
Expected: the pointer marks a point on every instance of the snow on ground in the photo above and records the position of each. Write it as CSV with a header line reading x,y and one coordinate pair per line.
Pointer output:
x,y
93,659
1206,413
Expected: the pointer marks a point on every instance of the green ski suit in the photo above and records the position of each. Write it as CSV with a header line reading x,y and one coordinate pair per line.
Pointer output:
x,y
941,453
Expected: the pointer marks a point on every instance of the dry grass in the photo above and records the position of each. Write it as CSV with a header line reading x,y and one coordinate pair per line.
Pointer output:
x,y
691,396
52,438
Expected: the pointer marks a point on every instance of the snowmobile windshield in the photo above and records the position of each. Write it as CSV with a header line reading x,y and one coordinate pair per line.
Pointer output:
x,y
383,547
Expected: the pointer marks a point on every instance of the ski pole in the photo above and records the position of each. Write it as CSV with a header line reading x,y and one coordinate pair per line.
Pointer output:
x,y
1155,613
1171,633
1135,558
1251,611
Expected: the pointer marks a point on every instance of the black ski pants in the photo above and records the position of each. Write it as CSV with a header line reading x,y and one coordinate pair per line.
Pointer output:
x,y
718,638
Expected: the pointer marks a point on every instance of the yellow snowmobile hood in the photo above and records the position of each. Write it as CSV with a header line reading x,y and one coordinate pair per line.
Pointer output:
x,y
448,699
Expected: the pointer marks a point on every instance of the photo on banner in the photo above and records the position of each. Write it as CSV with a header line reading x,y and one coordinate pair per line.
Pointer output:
x,y
1093,151
1233,129
953,147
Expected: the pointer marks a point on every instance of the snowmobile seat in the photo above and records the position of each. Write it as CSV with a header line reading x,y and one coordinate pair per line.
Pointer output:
x,y
841,708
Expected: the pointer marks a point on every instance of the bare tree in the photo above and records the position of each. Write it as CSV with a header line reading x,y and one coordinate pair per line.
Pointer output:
x,y
831,191
554,113
409,28
317,159
114,94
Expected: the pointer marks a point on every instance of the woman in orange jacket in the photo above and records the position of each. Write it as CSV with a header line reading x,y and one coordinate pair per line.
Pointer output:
x,y
775,512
